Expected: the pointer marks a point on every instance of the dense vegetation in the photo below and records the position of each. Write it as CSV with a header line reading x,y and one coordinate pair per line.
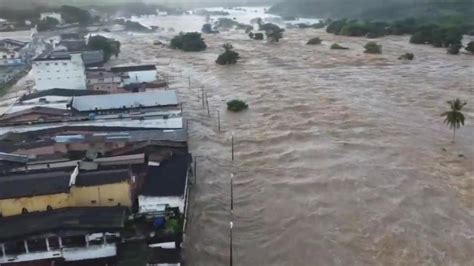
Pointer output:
x,y
229,56
272,31
108,46
237,105
189,42
256,36
207,28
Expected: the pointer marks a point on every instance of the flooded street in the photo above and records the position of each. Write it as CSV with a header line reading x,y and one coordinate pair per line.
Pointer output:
x,y
341,159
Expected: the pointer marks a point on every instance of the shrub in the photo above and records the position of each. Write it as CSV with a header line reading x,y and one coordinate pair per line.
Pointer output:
x,y
314,41
407,56
258,36
454,48
336,26
237,105
229,56
189,42
470,47
336,46
373,48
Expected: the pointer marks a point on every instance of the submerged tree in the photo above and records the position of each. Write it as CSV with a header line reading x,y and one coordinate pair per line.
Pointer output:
x,y
314,41
189,42
108,46
407,56
336,46
373,48
470,47
229,56
454,118
237,105
454,48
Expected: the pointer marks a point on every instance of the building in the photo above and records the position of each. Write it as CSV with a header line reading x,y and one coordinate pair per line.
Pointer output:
x,y
9,161
125,102
62,235
136,74
104,81
59,71
54,15
49,189
12,52
166,185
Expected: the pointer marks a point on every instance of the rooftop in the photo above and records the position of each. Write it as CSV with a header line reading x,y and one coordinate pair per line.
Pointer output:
x,y
125,100
17,43
53,56
60,92
168,179
27,185
132,68
13,157
93,219
96,178
101,74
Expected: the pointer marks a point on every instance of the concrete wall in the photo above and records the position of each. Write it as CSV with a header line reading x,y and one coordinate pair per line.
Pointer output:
x,y
150,203
66,74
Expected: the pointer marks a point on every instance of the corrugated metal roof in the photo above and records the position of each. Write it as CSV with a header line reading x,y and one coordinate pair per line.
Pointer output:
x,y
127,100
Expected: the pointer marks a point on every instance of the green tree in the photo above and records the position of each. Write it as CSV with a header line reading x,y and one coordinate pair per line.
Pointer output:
x,y
189,42
236,105
470,47
407,56
229,56
454,118
373,48
108,46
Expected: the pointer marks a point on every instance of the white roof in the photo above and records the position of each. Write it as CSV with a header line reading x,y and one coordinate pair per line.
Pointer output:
x,y
128,100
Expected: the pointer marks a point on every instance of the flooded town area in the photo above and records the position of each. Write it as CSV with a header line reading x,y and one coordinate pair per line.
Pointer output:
x,y
342,157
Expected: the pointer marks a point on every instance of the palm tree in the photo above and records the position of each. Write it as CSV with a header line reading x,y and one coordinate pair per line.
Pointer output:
x,y
454,118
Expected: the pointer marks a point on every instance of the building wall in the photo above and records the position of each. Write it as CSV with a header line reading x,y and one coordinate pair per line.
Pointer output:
x,y
103,195
66,74
149,203
10,58
9,207
140,76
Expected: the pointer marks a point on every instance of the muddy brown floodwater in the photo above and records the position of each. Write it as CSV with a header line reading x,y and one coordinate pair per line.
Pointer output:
x,y
342,158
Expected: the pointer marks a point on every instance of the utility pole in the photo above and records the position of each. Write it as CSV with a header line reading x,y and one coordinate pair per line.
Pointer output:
x,y
232,141
207,104
231,192
218,121
231,259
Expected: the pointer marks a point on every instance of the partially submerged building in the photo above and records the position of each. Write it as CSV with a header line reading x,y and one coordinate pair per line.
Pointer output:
x,y
62,235
59,71
136,74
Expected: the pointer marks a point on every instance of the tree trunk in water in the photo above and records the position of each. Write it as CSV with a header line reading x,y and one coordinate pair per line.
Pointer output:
x,y
454,134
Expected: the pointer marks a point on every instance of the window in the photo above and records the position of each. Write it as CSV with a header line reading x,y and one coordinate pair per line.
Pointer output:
x,y
49,208
111,200
64,64
4,57
55,64
24,211
93,201
47,64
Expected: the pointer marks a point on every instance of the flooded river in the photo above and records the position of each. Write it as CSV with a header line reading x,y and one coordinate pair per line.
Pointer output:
x,y
341,159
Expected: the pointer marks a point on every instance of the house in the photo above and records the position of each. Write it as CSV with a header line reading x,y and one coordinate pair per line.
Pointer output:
x,y
54,15
82,235
12,52
6,26
127,102
48,189
166,185
59,71
104,81
136,74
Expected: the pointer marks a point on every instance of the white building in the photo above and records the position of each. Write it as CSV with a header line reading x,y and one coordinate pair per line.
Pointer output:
x,y
61,71
136,74
54,15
